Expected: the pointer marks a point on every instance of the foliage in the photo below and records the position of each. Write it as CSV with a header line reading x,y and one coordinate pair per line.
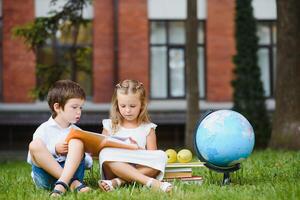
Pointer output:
x,y
264,175
248,93
44,31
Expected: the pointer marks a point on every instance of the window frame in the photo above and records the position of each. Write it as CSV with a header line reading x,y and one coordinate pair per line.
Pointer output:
x,y
169,46
271,24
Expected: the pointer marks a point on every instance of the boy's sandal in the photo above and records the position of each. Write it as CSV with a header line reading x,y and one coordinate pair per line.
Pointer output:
x,y
59,192
109,184
80,186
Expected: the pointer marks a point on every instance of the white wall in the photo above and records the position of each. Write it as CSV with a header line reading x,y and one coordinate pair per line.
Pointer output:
x,y
173,9
264,9
176,9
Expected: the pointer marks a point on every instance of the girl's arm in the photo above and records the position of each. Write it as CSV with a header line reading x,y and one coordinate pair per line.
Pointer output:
x,y
105,132
105,142
151,141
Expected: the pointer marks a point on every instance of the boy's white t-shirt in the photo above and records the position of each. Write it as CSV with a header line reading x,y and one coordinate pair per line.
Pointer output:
x,y
139,134
51,134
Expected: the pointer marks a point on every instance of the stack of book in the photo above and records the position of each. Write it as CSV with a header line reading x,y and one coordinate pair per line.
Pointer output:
x,y
183,172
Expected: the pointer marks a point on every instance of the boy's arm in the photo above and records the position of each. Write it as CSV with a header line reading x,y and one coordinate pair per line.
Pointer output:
x,y
51,148
40,134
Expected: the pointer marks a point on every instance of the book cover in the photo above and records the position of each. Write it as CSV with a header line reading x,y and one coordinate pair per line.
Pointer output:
x,y
181,169
189,164
188,180
94,142
178,174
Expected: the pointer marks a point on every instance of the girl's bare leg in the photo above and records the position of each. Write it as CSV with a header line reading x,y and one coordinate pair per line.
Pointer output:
x,y
111,176
129,173
148,171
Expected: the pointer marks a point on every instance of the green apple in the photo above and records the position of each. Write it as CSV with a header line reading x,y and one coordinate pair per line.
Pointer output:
x,y
184,156
172,155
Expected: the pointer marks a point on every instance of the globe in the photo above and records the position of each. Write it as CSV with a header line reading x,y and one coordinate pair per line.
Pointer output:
x,y
224,138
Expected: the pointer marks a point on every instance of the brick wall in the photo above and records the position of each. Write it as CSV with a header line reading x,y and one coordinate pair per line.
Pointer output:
x,y
103,51
18,61
133,41
220,48
132,51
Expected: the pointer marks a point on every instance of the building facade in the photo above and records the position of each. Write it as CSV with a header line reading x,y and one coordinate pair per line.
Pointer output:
x,y
145,40
138,39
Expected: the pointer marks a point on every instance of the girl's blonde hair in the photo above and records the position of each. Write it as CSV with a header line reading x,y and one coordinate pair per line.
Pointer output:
x,y
128,87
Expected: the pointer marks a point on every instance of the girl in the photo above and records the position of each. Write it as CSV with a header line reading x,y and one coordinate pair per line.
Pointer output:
x,y
129,119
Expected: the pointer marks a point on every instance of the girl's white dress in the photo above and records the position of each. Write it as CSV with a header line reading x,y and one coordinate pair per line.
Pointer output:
x,y
156,159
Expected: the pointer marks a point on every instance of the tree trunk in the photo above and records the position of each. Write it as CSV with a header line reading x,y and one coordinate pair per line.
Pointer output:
x,y
192,112
286,122
73,56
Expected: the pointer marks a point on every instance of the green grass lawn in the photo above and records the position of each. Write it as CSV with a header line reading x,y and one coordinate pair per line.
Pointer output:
x,y
265,175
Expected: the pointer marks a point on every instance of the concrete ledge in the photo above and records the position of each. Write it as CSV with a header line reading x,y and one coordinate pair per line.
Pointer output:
x,y
161,111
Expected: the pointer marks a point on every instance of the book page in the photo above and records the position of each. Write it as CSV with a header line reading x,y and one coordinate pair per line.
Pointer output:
x,y
94,142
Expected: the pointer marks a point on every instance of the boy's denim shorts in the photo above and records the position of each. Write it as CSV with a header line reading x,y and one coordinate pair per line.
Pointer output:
x,y
43,179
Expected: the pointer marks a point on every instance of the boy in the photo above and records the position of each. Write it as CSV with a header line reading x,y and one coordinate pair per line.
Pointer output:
x,y
55,163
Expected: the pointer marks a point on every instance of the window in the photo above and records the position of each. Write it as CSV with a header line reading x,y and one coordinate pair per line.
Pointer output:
x,y
266,32
63,41
167,62
57,50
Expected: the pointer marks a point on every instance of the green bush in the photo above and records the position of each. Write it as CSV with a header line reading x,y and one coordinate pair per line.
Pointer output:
x,y
248,95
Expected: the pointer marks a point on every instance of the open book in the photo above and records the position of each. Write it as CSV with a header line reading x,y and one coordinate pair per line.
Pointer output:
x,y
94,142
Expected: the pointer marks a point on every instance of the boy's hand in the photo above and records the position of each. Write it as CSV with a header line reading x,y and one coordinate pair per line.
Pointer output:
x,y
61,148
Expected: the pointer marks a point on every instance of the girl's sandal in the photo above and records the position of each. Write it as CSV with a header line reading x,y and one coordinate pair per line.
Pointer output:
x,y
58,193
109,183
164,186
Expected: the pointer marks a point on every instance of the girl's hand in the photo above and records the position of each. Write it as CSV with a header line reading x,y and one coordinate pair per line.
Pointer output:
x,y
132,141
141,148
61,148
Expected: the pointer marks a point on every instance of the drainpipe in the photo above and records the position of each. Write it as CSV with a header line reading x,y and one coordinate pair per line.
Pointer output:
x,y
116,42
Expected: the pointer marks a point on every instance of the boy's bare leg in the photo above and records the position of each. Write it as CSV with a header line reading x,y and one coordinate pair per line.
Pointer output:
x,y
75,155
42,158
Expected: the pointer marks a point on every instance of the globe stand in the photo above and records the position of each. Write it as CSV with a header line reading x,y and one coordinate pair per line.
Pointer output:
x,y
225,170
226,178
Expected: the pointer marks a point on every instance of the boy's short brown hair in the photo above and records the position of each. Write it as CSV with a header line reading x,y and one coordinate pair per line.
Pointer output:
x,y
62,91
